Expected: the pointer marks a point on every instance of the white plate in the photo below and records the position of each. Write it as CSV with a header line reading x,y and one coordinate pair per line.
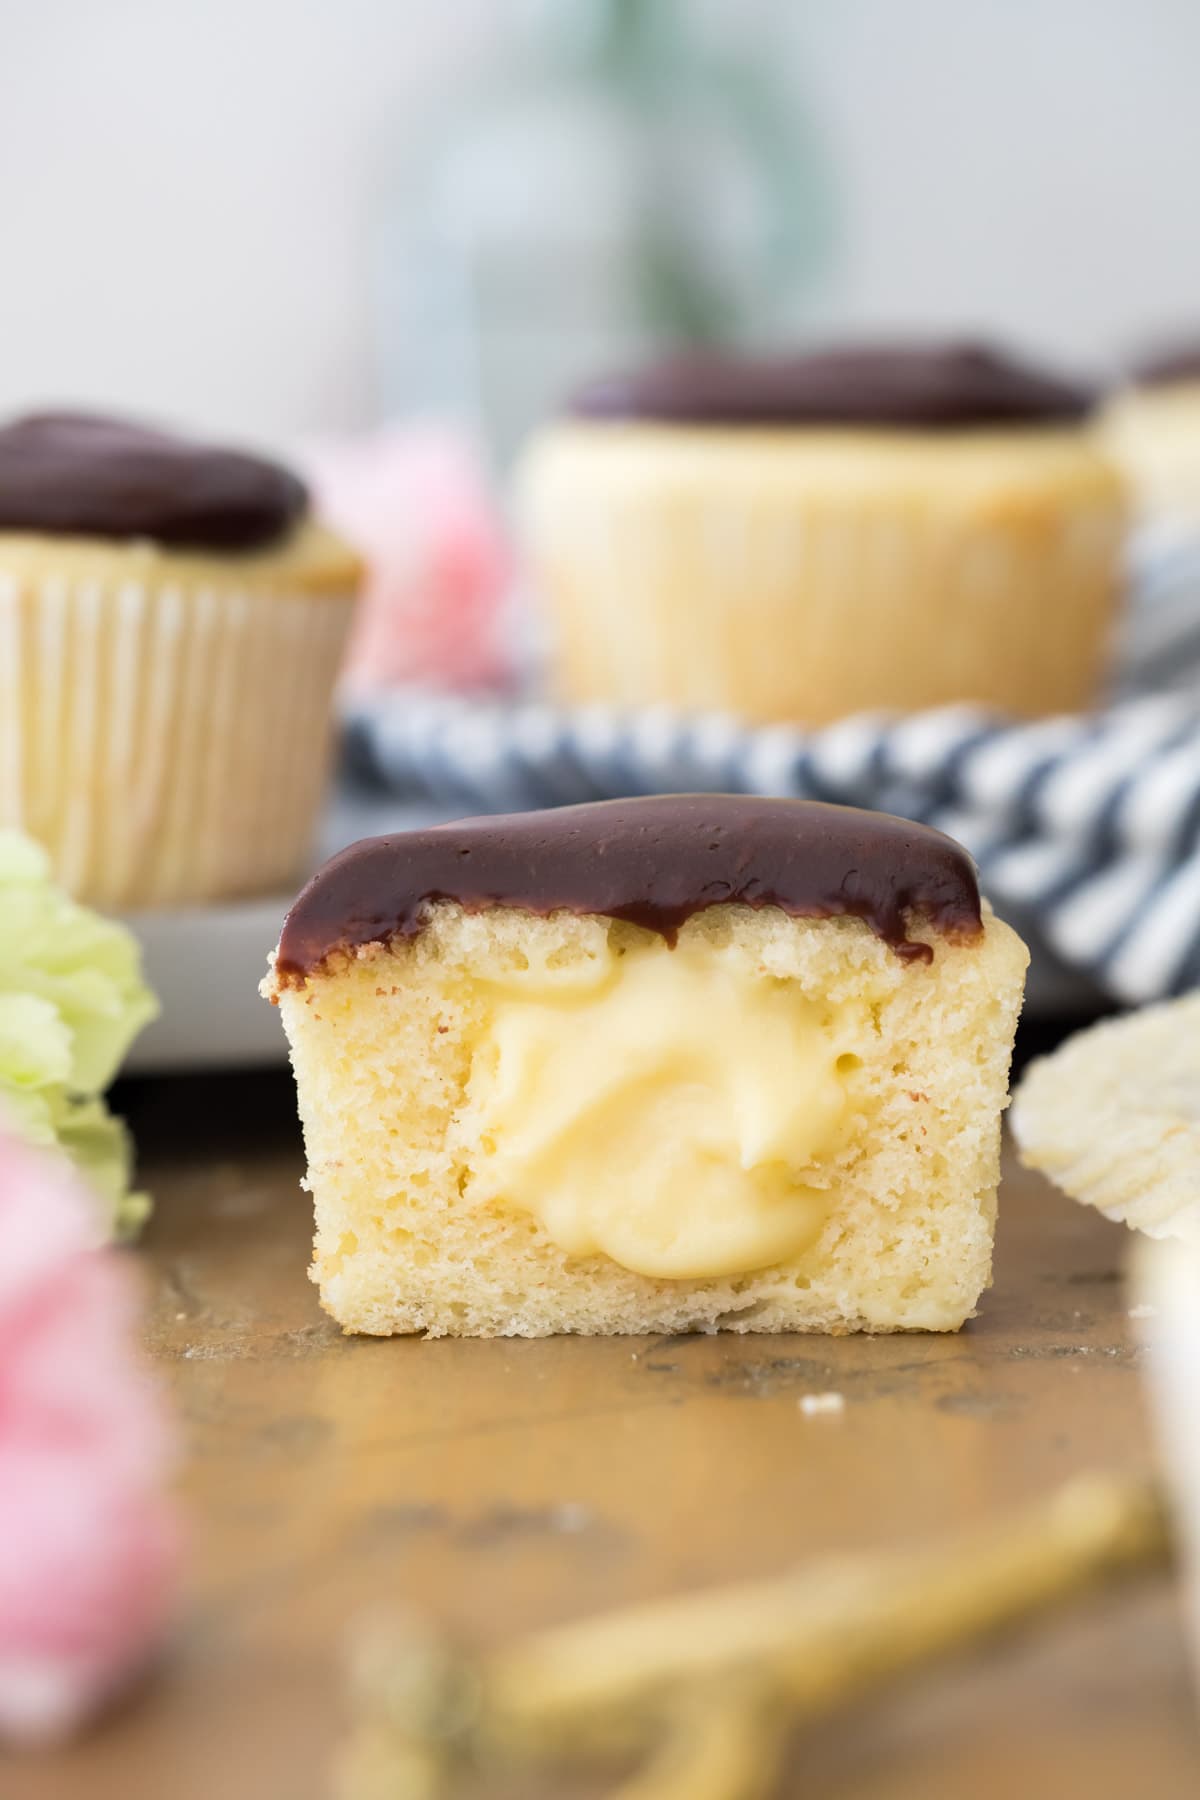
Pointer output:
x,y
205,962
205,965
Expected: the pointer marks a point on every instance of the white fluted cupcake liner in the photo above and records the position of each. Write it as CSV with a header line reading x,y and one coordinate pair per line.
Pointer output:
x,y
799,583
166,742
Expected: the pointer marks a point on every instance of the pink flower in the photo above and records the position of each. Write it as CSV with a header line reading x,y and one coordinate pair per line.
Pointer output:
x,y
415,502
89,1539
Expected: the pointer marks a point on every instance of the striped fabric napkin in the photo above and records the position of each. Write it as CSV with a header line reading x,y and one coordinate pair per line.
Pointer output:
x,y
1089,826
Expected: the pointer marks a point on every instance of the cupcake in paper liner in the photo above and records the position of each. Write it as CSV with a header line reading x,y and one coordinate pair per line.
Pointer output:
x,y
1151,427
171,625
810,537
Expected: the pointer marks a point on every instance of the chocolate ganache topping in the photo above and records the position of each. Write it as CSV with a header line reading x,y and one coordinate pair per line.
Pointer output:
x,y
925,387
654,862
85,475
1170,363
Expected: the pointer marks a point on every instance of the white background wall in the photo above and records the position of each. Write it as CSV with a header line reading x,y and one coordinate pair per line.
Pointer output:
x,y
187,187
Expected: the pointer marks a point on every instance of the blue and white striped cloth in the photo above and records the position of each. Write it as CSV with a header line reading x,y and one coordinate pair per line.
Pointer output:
x,y
1089,826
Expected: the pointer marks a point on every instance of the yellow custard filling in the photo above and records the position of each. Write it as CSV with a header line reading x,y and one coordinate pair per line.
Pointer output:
x,y
664,1108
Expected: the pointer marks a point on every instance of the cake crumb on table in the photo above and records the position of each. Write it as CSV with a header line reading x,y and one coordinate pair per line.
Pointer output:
x,y
822,1403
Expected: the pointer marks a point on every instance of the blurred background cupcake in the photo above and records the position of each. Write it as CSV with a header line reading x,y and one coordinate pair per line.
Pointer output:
x,y
806,537
171,624
1152,428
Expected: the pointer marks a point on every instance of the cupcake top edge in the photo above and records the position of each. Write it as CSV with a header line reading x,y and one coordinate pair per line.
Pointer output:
x,y
654,862
922,387
89,475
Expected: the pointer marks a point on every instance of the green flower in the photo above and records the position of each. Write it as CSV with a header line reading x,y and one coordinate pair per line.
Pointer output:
x,y
72,1000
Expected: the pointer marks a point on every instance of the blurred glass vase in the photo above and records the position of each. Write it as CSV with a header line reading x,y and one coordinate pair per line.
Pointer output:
x,y
615,187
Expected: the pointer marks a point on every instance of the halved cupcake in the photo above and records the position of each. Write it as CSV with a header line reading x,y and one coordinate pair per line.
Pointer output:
x,y
648,1065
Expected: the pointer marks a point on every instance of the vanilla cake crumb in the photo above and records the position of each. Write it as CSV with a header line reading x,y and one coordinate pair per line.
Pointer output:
x,y
394,1051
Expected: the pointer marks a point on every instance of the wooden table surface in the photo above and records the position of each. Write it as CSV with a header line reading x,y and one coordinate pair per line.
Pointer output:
x,y
506,1485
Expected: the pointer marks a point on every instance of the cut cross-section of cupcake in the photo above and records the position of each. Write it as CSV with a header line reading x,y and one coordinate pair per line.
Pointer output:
x,y
650,1065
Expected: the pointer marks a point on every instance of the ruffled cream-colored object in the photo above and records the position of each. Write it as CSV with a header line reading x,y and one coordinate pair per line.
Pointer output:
x,y
1113,1118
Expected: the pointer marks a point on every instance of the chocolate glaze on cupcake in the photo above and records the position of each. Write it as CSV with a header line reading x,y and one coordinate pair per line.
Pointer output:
x,y
933,387
654,862
1166,365
85,475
